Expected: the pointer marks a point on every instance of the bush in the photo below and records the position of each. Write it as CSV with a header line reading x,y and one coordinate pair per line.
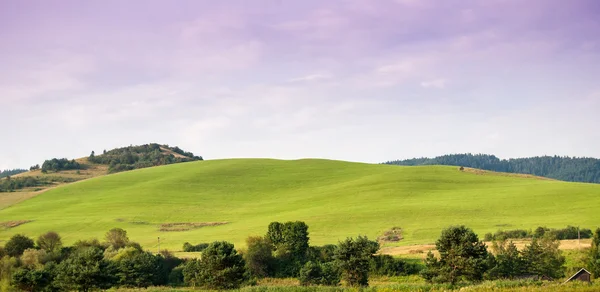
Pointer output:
x,y
313,273
290,241
508,262
386,265
594,255
17,245
220,267
187,247
31,279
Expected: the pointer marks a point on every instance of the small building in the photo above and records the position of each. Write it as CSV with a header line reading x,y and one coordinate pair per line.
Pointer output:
x,y
583,275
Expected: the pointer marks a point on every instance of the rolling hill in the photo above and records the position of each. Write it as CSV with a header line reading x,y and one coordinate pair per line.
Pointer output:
x,y
234,198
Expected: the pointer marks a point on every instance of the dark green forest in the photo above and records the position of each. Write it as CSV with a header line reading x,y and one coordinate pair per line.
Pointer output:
x,y
9,172
576,169
135,157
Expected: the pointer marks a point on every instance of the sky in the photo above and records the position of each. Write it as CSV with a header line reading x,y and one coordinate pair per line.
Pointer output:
x,y
357,80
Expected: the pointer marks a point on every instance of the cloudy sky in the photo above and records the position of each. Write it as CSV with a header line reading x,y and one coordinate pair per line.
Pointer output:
x,y
359,80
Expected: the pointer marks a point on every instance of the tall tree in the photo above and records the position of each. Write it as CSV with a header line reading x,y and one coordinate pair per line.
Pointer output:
x,y
353,257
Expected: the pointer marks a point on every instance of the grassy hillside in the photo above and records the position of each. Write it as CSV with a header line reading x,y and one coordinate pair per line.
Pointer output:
x,y
336,199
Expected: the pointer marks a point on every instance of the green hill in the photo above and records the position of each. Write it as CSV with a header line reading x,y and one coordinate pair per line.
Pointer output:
x,y
336,199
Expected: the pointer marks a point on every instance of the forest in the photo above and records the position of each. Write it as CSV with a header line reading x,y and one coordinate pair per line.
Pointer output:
x,y
9,172
575,169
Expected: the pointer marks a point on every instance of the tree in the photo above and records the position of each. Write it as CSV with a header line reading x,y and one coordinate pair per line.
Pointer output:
x,y
31,280
259,256
17,245
141,269
49,241
117,238
462,257
509,263
220,267
353,257
594,256
290,241
543,258
84,270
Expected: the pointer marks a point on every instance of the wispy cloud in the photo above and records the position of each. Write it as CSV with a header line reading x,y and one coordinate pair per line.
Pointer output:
x,y
333,79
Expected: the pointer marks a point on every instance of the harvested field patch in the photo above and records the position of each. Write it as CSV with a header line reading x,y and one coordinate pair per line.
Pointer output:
x,y
13,224
185,226
392,235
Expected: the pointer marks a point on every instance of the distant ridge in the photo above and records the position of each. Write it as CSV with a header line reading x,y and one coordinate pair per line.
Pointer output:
x,y
9,172
574,169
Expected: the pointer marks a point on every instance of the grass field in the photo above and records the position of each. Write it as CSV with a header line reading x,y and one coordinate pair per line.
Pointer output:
x,y
336,199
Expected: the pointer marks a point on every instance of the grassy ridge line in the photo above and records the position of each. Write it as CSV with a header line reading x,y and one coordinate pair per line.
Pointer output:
x,y
337,199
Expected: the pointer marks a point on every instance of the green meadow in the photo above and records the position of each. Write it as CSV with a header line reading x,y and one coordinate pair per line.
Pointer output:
x,y
336,199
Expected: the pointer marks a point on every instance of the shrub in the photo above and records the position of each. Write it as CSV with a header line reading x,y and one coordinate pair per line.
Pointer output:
x,y
594,255
187,247
17,245
386,265
509,263
31,280
313,273
290,241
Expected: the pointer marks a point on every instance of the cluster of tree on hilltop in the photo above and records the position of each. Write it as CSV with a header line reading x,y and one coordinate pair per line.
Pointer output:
x,y
9,172
577,169
56,164
135,157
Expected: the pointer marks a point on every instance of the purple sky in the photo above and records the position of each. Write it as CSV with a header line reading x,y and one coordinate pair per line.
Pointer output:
x,y
360,80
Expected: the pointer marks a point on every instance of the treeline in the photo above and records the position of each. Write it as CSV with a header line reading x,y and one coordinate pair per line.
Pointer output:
x,y
10,184
284,251
135,157
463,257
56,164
570,232
11,172
576,169
47,265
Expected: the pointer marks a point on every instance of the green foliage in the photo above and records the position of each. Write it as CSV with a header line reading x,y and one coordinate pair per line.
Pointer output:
x,y
569,232
31,279
49,241
353,257
135,157
508,262
594,255
290,241
322,254
386,265
117,238
17,183
259,257
543,258
141,269
313,273
563,168
462,257
10,172
85,270
17,245
55,164
220,267
187,247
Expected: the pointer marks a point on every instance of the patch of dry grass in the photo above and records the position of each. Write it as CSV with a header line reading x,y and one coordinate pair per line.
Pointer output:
x,y
185,226
13,224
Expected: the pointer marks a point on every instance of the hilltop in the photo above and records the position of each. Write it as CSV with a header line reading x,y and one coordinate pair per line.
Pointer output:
x,y
54,172
234,198
576,169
